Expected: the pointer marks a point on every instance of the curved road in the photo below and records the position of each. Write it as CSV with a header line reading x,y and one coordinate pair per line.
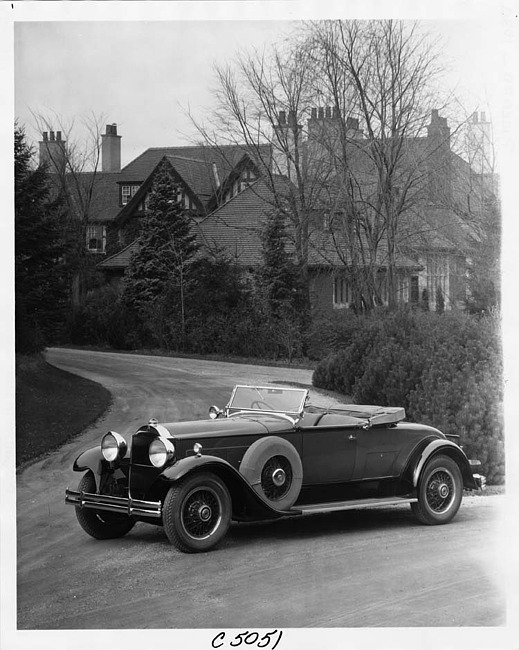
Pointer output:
x,y
366,568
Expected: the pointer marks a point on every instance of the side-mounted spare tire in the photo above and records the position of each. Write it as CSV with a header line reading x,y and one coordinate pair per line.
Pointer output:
x,y
273,468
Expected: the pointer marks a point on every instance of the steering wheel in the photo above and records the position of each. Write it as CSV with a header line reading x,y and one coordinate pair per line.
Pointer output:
x,y
257,404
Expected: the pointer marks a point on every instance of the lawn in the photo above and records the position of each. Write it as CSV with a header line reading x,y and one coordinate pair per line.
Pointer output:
x,y
52,406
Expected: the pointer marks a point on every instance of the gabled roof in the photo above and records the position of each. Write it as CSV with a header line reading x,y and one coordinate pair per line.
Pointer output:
x,y
225,157
237,225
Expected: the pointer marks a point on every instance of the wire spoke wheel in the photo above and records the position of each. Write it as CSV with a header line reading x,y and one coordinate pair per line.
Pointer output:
x,y
440,491
197,512
276,477
201,513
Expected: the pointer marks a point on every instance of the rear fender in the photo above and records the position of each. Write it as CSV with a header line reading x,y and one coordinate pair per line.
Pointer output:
x,y
452,450
242,494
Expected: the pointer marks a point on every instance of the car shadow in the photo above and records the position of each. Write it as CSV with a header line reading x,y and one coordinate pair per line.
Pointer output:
x,y
323,524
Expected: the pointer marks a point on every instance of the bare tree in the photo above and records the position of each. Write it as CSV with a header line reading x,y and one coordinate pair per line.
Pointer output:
x,y
381,74
72,152
261,105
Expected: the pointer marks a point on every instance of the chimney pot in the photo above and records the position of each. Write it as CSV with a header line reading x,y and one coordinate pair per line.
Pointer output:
x,y
52,136
58,136
314,113
282,119
475,117
483,117
45,136
336,112
321,113
328,111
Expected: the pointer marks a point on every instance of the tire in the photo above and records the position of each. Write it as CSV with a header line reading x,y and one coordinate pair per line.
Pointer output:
x,y
273,468
440,490
197,513
97,523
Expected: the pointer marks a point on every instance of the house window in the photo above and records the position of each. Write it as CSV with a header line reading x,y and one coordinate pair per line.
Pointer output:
x,y
96,239
415,290
341,293
127,192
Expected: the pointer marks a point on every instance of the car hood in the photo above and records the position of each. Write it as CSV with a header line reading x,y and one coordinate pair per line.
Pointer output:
x,y
249,424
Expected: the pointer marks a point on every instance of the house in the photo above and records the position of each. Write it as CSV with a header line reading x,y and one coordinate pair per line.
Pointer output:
x,y
229,191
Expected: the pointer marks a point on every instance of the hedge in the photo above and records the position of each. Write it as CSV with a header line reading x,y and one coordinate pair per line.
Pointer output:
x,y
444,369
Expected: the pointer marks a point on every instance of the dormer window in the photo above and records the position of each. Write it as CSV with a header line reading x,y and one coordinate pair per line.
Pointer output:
x,y
127,192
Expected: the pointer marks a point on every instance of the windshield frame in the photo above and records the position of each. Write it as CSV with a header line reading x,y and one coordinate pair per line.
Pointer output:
x,y
230,408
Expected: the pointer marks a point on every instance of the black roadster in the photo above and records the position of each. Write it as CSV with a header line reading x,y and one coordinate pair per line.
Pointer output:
x,y
268,454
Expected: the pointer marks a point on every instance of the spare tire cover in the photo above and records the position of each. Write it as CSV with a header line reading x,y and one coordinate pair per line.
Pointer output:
x,y
273,468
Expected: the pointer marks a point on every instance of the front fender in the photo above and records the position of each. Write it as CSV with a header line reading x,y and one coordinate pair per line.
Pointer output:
x,y
452,450
242,493
91,459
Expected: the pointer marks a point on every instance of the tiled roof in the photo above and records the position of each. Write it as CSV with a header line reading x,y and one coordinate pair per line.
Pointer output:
x,y
119,260
236,226
225,158
103,205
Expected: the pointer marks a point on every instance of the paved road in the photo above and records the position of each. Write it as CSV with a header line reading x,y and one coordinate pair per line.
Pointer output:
x,y
366,568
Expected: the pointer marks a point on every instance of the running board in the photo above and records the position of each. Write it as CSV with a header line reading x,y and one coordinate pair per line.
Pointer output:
x,y
349,505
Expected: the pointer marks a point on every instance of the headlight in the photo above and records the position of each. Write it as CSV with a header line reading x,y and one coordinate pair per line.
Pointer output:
x,y
160,452
113,446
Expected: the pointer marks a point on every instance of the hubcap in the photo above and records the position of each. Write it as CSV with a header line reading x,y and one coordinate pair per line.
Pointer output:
x,y
279,477
276,478
204,513
443,490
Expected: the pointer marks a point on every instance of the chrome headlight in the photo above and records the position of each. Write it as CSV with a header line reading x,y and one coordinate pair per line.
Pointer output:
x,y
161,451
113,446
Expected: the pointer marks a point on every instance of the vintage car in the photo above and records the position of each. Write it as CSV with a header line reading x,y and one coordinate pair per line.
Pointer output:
x,y
267,454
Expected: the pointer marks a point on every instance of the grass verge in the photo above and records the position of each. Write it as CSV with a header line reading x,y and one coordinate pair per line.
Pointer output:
x,y
52,406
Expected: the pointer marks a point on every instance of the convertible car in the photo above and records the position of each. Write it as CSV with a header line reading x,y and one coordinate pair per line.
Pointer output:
x,y
267,454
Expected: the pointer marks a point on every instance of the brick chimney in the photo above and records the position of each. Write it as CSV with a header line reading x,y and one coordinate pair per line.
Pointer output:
x,y
439,160
53,151
111,149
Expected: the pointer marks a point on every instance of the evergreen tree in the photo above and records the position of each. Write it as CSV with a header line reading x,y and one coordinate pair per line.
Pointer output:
x,y
159,272
484,272
278,273
41,275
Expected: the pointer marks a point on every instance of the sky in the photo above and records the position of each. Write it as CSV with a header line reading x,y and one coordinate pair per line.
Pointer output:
x,y
146,75
142,65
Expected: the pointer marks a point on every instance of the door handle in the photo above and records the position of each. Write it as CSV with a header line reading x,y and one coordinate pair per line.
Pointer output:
x,y
352,437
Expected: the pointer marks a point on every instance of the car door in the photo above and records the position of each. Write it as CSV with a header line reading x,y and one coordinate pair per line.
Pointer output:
x,y
328,454
377,449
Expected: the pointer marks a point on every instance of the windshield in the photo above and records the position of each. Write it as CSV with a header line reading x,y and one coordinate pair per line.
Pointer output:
x,y
260,398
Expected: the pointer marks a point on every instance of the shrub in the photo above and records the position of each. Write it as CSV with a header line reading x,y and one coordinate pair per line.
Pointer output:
x,y
444,369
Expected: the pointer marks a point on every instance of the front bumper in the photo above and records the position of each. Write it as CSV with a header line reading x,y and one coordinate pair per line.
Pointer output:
x,y
121,505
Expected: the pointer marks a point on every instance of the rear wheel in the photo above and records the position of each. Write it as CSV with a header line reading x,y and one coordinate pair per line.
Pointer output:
x,y
197,513
440,490
99,524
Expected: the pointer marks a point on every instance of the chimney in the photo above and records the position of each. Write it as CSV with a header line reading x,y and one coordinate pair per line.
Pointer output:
x,y
53,151
111,149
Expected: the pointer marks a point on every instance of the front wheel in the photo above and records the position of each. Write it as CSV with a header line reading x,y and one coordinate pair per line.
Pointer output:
x,y
97,523
440,490
197,513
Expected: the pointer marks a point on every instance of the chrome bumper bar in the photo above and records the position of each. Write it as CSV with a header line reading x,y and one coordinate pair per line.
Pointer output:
x,y
122,505
481,481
